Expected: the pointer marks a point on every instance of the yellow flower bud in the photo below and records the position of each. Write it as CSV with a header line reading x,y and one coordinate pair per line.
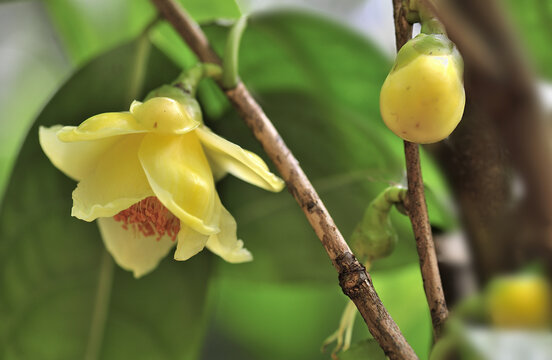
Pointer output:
x,y
520,302
163,115
422,99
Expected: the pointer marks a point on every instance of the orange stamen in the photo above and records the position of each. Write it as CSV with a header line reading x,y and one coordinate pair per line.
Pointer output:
x,y
150,217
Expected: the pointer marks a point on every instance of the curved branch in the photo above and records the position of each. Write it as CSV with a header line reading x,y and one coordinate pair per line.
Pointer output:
x,y
353,278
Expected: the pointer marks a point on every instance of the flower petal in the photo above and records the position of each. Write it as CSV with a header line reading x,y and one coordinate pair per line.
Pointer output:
x,y
164,115
116,183
101,126
223,154
225,244
74,159
190,242
181,178
131,249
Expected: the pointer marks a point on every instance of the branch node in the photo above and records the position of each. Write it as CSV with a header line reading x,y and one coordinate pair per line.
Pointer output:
x,y
352,275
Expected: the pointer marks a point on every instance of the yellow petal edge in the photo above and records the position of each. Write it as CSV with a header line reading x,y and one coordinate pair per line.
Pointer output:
x,y
245,165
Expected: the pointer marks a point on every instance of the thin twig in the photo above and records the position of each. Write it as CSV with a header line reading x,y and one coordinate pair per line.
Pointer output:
x,y
353,278
417,212
416,205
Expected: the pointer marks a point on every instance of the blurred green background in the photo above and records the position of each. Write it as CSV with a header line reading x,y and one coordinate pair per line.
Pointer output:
x,y
316,68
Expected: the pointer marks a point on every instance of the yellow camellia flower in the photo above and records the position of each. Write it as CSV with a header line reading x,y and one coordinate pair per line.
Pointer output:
x,y
148,177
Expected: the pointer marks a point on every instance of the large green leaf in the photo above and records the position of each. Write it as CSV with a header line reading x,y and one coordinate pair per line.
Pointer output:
x,y
54,268
90,27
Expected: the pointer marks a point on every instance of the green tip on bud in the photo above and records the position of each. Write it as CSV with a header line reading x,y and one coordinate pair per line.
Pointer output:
x,y
430,45
374,237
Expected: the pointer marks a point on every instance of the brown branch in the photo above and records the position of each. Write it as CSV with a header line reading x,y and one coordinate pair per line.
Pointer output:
x,y
416,205
417,212
353,278
403,29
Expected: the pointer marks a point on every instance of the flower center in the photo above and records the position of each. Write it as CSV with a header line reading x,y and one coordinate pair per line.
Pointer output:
x,y
150,217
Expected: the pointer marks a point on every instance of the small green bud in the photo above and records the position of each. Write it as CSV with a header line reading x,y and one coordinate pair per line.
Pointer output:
x,y
374,237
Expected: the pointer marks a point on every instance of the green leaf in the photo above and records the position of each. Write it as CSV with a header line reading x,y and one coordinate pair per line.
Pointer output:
x,y
87,28
209,10
51,263
534,22
33,68
365,349
90,27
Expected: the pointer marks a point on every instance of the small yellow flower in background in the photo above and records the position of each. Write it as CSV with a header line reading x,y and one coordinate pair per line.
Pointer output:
x,y
521,301
148,177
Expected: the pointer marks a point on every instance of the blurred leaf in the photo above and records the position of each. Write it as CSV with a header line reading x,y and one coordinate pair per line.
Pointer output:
x,y
440,206
50,262
169,41
210,10
365,349
33,66
273,321
90,27
87,28
534,22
